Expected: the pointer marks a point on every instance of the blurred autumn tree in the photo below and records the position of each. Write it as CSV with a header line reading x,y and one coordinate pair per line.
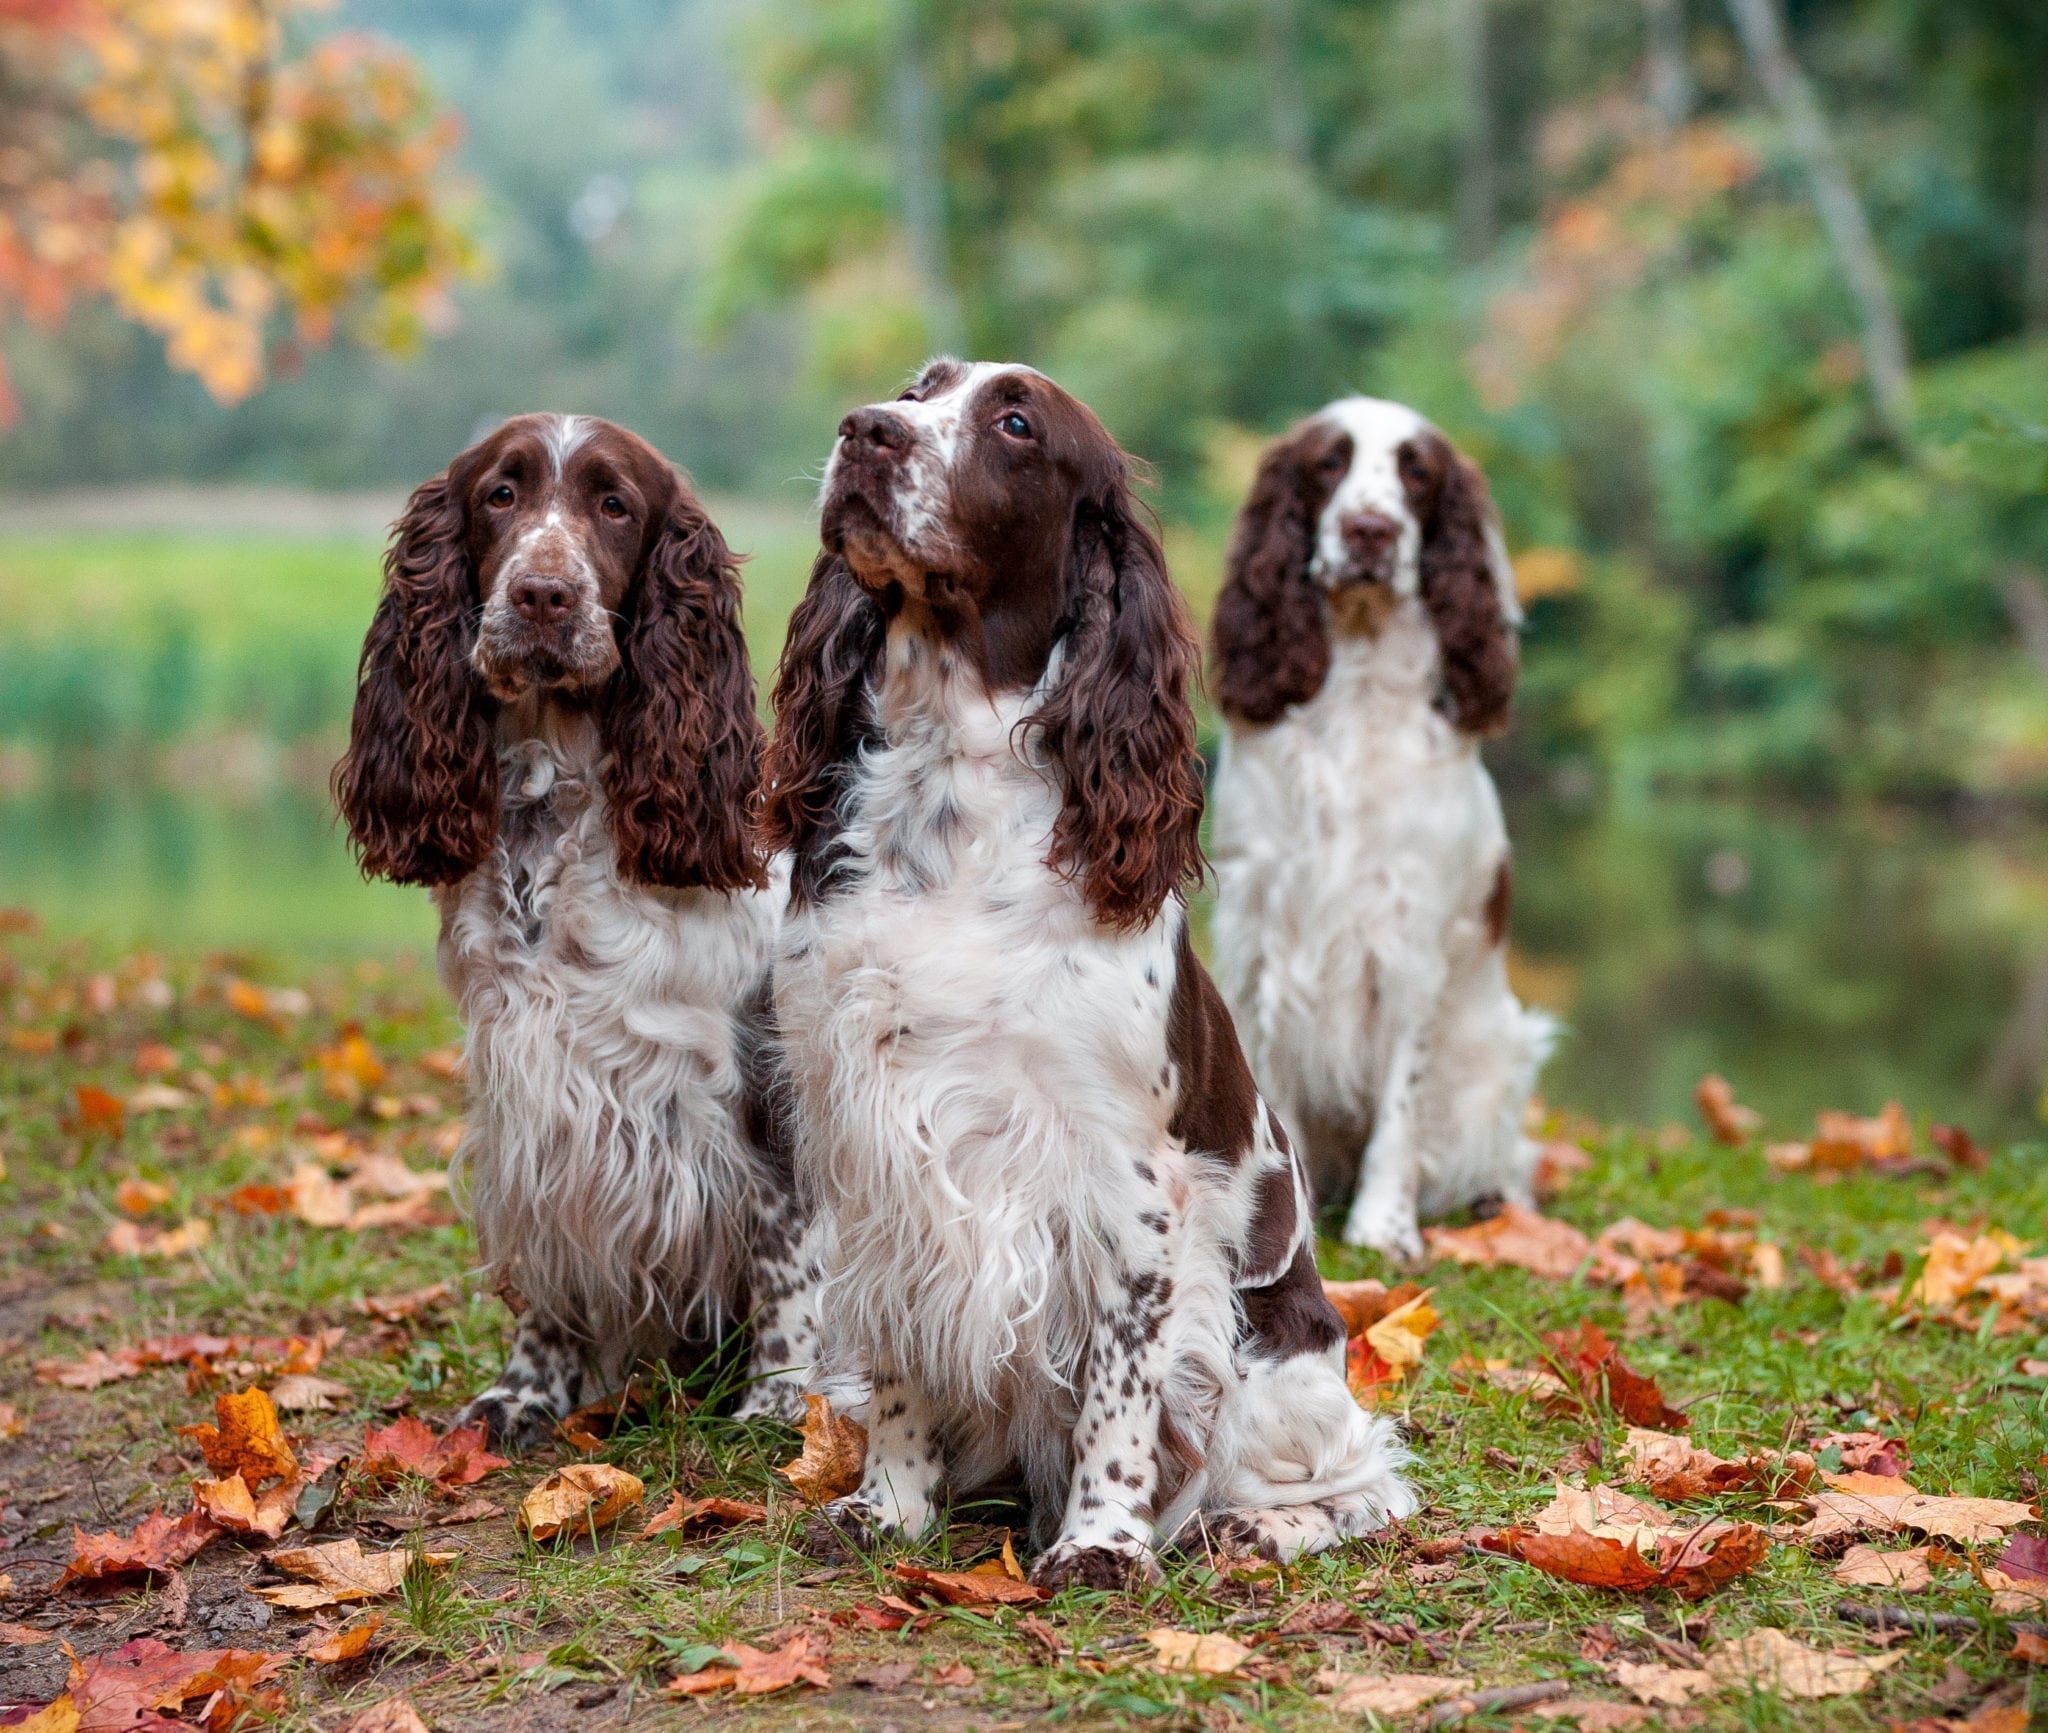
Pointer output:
x,y
233,193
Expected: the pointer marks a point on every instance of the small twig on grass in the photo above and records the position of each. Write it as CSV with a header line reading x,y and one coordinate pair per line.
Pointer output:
x,y
1886,1617
1499,1698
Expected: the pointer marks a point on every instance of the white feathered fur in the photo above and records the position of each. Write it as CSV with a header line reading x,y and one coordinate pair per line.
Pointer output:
x,y
1358,843
609,1177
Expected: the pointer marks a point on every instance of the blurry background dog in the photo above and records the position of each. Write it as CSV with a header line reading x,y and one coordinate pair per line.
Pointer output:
x,y
554,728
1364,645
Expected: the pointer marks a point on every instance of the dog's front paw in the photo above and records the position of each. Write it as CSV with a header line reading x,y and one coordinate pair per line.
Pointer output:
x,y
512,1420
1075,1565
776,1397
1394,1237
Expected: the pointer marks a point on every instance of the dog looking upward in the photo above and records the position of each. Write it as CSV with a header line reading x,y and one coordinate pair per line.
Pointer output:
x,y
1365,643
554,729
1069,1238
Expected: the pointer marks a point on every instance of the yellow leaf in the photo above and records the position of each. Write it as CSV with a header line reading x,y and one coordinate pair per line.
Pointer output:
x,y
581,1497
1205,1652
1398,1337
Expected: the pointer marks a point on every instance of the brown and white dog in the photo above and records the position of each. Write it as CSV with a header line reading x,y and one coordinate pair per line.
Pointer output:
x,y
554,728
1070,1240
1365,642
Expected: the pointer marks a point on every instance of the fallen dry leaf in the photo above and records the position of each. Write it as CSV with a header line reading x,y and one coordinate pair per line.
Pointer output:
x,y
308,1393
393,1715
397,1308
138,1240
753,1672
2025,1558
1359,1304
835,1453
1591,1363
1906,1572
1389,1694
1692,1566
1727,1119
246,1439
578,1499
1505,1375
95,1113
24,1636
1515,1236
1674,1467
138,1197
1206,1652
2030,1648
11,1423
408,1446
339,1572
317,1198
1959,1146
1869,1451
124,1687
1863,1505
1766,1659
346,1644
683,1514
1665,1686
158,1545
975,1588
1391,1346
230,1503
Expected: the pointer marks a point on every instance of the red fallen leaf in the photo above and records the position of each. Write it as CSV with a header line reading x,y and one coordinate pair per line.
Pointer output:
x,y
1867,1452
1595,1365
123,1688
971,1588
408,1446
888,1614
95,1112
258,1200
2025,1558
157,1546
756,1672
1697,1565
1959,1146
685,1514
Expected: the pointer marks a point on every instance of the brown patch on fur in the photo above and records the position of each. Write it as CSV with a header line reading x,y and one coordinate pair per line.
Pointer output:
x,y
1214,1113
1359,610
1271,636
1291,1315
1498,902
1448,496
1272,1225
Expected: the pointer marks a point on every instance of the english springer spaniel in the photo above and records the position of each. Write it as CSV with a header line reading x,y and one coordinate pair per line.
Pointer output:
x,y
554,728
1365,642
1071,1241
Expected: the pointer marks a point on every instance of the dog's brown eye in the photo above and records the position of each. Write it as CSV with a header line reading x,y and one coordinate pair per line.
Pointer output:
x,y
1334,464
1015,426
501,494
613,506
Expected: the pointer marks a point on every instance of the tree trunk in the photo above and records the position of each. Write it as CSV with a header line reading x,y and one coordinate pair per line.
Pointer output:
x,y
921,187
1841,211
1280,31
1668,83
1478,185
2037,214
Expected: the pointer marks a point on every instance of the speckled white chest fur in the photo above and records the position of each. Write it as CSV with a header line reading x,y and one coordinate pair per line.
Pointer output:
x,y
605,1165
1355,842
980,1064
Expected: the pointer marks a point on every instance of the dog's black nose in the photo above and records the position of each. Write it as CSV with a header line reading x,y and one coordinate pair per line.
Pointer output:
x,y
1369,534
877,432
543,600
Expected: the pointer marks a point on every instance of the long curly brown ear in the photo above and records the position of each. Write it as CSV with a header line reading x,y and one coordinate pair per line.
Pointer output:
x,y
682,742
1119,724
1466,582
1271,632
418,786
835,639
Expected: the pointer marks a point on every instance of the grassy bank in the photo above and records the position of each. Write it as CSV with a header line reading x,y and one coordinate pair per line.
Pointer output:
x,y
511,1634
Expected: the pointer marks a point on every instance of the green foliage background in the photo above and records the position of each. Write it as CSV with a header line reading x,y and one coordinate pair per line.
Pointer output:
x,y
725,222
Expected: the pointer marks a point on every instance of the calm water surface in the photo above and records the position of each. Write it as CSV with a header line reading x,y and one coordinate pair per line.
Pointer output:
x,y
1815,961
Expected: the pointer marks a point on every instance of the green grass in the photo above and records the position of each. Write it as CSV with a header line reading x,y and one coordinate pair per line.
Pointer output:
x,y
520,1635
122,643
